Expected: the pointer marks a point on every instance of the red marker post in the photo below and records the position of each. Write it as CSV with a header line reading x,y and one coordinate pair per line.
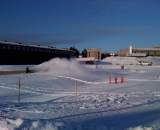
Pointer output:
x,y
122,79
110,79
116,80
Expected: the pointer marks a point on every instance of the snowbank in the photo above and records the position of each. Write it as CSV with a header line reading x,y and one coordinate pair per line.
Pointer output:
x,y
9,124
131,60
122,60
53,125
140,128
5,126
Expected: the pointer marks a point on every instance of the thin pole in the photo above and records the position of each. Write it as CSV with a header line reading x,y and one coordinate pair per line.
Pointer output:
x,y
19,91
75,87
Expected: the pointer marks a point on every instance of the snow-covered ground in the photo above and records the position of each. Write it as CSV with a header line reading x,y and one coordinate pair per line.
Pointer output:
x,y
131,60
64,95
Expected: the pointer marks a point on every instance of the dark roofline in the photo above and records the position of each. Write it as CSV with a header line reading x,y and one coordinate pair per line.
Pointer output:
x,y
31,45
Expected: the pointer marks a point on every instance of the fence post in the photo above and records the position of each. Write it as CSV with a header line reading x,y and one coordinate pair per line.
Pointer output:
x,y
122,79
75,87
19,91
110,79
116,80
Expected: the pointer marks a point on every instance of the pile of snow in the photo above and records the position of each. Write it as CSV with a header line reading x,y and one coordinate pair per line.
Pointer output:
x,y
9,124
36,125
5,126
141,128
61,67
122,60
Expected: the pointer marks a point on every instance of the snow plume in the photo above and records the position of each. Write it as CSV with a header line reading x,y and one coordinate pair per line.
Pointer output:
x,y
141,128
9,124
61,67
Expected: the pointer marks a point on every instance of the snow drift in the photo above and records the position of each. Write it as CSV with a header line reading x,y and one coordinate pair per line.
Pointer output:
x,y
122,60
9,124
19,124
140,128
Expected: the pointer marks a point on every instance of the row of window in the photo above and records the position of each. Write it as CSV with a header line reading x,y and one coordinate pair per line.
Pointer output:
x,y
34,49
26,48
151,51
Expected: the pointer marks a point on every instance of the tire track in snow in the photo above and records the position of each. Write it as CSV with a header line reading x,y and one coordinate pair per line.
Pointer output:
x,y
144,80
105,82
34,92
82,81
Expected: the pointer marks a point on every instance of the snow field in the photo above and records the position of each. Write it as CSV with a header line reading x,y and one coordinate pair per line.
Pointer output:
x,y
51,95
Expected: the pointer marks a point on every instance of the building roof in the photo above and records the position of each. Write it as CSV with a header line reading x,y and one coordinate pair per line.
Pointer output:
x,y
31,45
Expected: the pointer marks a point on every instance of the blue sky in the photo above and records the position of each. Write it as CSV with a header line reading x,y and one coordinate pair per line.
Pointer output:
x,y
105,24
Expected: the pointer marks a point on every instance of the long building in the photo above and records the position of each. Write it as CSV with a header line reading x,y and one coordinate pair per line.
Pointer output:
x,y
18,53
139,52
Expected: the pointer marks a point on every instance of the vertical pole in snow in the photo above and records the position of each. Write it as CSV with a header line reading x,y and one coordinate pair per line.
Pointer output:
x,y
122,79
19,90
110,78
116,80
75,87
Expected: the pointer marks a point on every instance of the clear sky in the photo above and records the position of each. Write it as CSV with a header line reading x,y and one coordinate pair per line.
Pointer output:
x,y
106,24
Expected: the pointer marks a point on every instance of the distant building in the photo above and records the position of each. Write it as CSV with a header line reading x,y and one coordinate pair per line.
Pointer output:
x,y
94,52
123,52
18,53
139,52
